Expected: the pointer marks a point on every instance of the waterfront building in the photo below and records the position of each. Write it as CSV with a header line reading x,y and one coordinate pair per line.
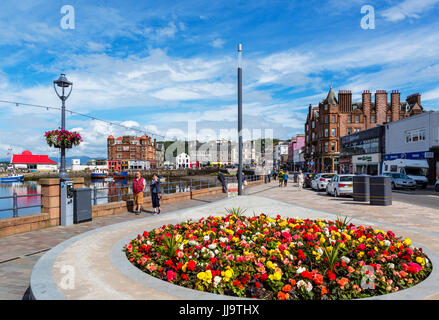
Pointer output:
x,y
336,117
417,139
28,161
92,164
280,156
183,161
296,152
131,152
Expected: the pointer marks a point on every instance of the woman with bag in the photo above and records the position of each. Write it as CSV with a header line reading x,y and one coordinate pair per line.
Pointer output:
x,y
156,193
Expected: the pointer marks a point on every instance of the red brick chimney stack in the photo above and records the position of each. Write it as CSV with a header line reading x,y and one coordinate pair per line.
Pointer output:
x,y
345,100
395,104
381,106
366,99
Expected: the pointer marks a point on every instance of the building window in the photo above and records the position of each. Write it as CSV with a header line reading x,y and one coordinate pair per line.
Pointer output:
x,y
357,119
326,147
415,135
333,146
333,132
313,149
133,148
313,135
313,125
349,119
356,130
389,118
326,107
119,156
326,133
132,156
349,130
119,148
333,119
372,118
326,119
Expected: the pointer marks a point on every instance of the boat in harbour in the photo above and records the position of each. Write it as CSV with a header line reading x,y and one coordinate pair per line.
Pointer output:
x,y
12,178
99,173
118,175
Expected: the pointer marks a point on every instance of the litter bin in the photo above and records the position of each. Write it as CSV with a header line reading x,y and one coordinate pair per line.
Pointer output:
x,y
380,190
361,188
82,205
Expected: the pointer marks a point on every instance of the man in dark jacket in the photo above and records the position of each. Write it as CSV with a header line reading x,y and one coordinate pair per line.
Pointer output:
x,y
222,179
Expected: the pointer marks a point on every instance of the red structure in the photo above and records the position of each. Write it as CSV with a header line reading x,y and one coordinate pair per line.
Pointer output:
x,y
32,161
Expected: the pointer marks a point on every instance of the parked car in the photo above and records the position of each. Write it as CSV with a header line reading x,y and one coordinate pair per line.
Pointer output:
x,y
321,180
340,185
400,180
436,186
307,179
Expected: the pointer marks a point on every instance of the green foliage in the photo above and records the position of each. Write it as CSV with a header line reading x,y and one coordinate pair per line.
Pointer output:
x,y
236,211
342,222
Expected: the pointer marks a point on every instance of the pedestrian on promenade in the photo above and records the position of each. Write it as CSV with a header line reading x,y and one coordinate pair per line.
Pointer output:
x,y
280,177
285,178
222,179
156,193
300,180
139,185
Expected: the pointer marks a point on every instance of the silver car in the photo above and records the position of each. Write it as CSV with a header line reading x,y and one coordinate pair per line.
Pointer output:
x,y
402,181
321,180
340,185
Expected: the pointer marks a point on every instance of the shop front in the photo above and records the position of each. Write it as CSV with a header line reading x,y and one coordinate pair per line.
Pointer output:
x,y
366,163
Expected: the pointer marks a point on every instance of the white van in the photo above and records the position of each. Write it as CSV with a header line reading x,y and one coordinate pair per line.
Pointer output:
x,y
415,169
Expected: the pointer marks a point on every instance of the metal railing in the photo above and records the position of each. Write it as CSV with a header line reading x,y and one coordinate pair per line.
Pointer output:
x,y
169,187
15,206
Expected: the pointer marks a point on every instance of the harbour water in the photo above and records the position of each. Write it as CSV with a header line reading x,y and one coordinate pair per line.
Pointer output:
x,y
105,192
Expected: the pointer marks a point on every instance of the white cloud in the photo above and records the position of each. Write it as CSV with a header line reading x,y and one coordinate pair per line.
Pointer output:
x,y
217,43
408,9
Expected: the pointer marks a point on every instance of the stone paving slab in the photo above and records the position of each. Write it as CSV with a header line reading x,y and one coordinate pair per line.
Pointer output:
x,y
23,250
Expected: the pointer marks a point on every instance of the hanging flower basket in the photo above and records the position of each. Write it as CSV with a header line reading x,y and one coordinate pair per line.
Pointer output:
x,y
63,138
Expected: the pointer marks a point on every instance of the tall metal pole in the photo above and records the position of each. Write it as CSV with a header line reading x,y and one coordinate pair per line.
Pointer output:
x,y
240,119
62,170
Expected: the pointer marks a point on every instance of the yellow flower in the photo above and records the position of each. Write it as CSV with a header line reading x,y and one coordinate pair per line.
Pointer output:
x,y
270,265
342,245
322,239
407,242
360,254
329,248
420,260
275,276
184,267
201,275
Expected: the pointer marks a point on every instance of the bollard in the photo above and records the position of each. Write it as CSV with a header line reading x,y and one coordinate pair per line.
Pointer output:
x,y
15,205
380,191
361,188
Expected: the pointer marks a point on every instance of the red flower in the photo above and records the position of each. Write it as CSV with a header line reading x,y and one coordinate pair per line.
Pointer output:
x,y
191,265
331,275
306,274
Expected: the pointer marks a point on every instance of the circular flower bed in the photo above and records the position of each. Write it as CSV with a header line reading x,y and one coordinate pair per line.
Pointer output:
x,y
279,258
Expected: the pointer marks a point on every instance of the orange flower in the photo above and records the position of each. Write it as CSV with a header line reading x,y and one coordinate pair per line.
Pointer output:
x,y
323,291
350,269
318,278
281,295
286,288
342,282
292,281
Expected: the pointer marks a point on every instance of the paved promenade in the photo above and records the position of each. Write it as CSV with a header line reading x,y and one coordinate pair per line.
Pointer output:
x,y
19,253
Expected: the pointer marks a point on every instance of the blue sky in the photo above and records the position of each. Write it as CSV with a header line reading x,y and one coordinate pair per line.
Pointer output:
x,y
159,64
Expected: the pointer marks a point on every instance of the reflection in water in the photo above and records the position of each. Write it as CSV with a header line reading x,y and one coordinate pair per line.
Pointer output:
x,y
21,188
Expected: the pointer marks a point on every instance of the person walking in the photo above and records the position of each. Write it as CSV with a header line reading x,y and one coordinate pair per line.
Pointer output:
x,y
156,193
222,179
285,178
300,180
280,177
139,185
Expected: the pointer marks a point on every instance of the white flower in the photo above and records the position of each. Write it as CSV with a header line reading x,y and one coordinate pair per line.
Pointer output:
x,y
300,270
391,266
203,249
320,251
193,243
212,246
223,239
299,244
216,251
212,254
206,237
345,259
387,243
301,283
181,247
216,280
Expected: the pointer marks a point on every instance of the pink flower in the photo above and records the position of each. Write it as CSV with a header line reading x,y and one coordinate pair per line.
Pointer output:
x,y
413,267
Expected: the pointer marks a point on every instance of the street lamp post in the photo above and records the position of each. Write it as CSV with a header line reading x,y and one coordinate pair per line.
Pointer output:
x,y
64,84
240,119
